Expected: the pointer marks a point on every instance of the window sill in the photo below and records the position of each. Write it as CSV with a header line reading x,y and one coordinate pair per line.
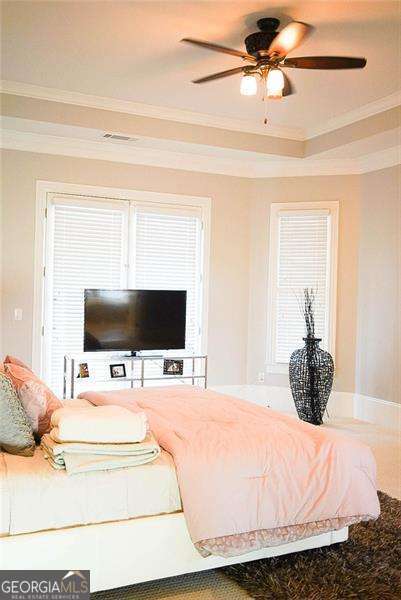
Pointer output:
x,y
277,368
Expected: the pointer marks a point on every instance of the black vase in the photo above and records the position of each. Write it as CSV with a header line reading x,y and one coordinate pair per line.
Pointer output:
x,y
311,380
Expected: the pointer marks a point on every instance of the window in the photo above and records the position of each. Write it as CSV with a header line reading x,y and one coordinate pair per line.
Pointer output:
x,y
86,249
168,257
303,253
107,243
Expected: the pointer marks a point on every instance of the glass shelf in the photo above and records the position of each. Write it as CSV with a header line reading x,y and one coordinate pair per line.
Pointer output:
x,y
194,370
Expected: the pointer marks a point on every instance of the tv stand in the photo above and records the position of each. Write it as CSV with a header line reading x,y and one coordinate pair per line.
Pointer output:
x,y
141,370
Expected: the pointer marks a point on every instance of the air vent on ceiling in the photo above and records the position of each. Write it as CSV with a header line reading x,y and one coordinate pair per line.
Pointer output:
x,y
119,138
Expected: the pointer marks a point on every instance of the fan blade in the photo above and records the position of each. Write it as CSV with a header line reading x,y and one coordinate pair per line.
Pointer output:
x,y
289,38
218,48
219,75
324,62
288,89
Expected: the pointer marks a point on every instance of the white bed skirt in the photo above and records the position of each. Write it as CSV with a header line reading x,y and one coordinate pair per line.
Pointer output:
x,y
133,551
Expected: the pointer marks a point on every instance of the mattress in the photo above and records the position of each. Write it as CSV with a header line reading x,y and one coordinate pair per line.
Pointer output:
x,y
36,497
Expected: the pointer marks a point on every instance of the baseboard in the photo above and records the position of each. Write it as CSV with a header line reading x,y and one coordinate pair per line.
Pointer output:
x,y
341,404
380,412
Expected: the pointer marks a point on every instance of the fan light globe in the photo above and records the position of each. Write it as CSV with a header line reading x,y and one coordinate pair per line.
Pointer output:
x,y
249,85
275,83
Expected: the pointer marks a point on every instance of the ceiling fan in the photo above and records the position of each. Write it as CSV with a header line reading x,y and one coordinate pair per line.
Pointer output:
x,y
266,55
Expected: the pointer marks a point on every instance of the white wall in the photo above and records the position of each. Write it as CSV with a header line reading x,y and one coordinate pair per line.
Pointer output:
x,y
378,356
229,265
345,189
239,261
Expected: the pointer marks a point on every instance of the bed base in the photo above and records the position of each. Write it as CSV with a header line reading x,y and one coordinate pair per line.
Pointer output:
x,y
127,552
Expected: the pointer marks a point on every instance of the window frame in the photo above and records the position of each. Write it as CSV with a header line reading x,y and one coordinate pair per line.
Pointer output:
x,y
46,191
276,208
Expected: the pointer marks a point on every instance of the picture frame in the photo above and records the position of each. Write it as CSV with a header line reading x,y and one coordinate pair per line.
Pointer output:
x,y
173,366
117,371
83,370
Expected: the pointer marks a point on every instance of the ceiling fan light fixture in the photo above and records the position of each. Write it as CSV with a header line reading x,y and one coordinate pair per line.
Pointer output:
x,y
267,54
249,85
275,83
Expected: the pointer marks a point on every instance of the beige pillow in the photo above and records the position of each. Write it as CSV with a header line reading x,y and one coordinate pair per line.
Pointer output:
x,y
16,436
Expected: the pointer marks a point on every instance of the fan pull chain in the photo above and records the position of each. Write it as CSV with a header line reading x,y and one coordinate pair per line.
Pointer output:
x,y
265,120
264,99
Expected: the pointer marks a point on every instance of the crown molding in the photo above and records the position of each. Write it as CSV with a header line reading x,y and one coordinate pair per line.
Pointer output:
x,y
203,119
363,112
380,160
100,150
245,167
148,110
50,144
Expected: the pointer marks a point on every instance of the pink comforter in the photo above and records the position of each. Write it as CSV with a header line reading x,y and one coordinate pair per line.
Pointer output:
x,y
245,470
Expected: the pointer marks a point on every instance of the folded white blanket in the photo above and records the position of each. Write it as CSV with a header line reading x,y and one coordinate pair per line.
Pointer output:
x,y
98,424
84,457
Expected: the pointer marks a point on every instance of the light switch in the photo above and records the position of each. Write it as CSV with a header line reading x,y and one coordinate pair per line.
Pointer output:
x,y
17,314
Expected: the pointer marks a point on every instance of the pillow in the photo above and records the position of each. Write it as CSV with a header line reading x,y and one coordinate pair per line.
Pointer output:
x,y
37,399
16,361
16,436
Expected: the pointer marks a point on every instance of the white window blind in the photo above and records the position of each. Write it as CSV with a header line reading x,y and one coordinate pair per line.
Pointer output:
x,y
114,244
87,252
302,258
167,257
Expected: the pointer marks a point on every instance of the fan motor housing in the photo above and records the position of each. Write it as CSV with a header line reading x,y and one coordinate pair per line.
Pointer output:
x,y
261,40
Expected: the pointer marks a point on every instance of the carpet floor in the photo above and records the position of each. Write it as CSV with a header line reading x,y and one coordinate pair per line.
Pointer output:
x,y
366,567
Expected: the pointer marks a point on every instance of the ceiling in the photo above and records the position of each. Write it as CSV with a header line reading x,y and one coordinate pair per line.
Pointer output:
x,y
131,51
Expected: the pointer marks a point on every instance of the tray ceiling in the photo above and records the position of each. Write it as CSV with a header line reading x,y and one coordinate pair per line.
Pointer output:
x,y
131,51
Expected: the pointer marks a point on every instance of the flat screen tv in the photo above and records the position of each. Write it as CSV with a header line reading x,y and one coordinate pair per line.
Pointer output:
x,y
134,320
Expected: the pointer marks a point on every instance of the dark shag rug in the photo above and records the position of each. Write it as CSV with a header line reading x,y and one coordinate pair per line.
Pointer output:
x,y
366,567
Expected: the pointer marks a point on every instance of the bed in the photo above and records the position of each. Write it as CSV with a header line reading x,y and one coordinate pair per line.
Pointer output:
x,y
36,497
129,527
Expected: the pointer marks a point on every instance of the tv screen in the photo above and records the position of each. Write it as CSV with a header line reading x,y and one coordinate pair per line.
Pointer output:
x,y
134,320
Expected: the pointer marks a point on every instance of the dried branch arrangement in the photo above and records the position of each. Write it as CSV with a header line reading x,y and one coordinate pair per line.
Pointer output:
x,y
309,311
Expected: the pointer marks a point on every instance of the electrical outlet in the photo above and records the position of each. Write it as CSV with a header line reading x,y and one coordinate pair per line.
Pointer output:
x,y
261,377
17,314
